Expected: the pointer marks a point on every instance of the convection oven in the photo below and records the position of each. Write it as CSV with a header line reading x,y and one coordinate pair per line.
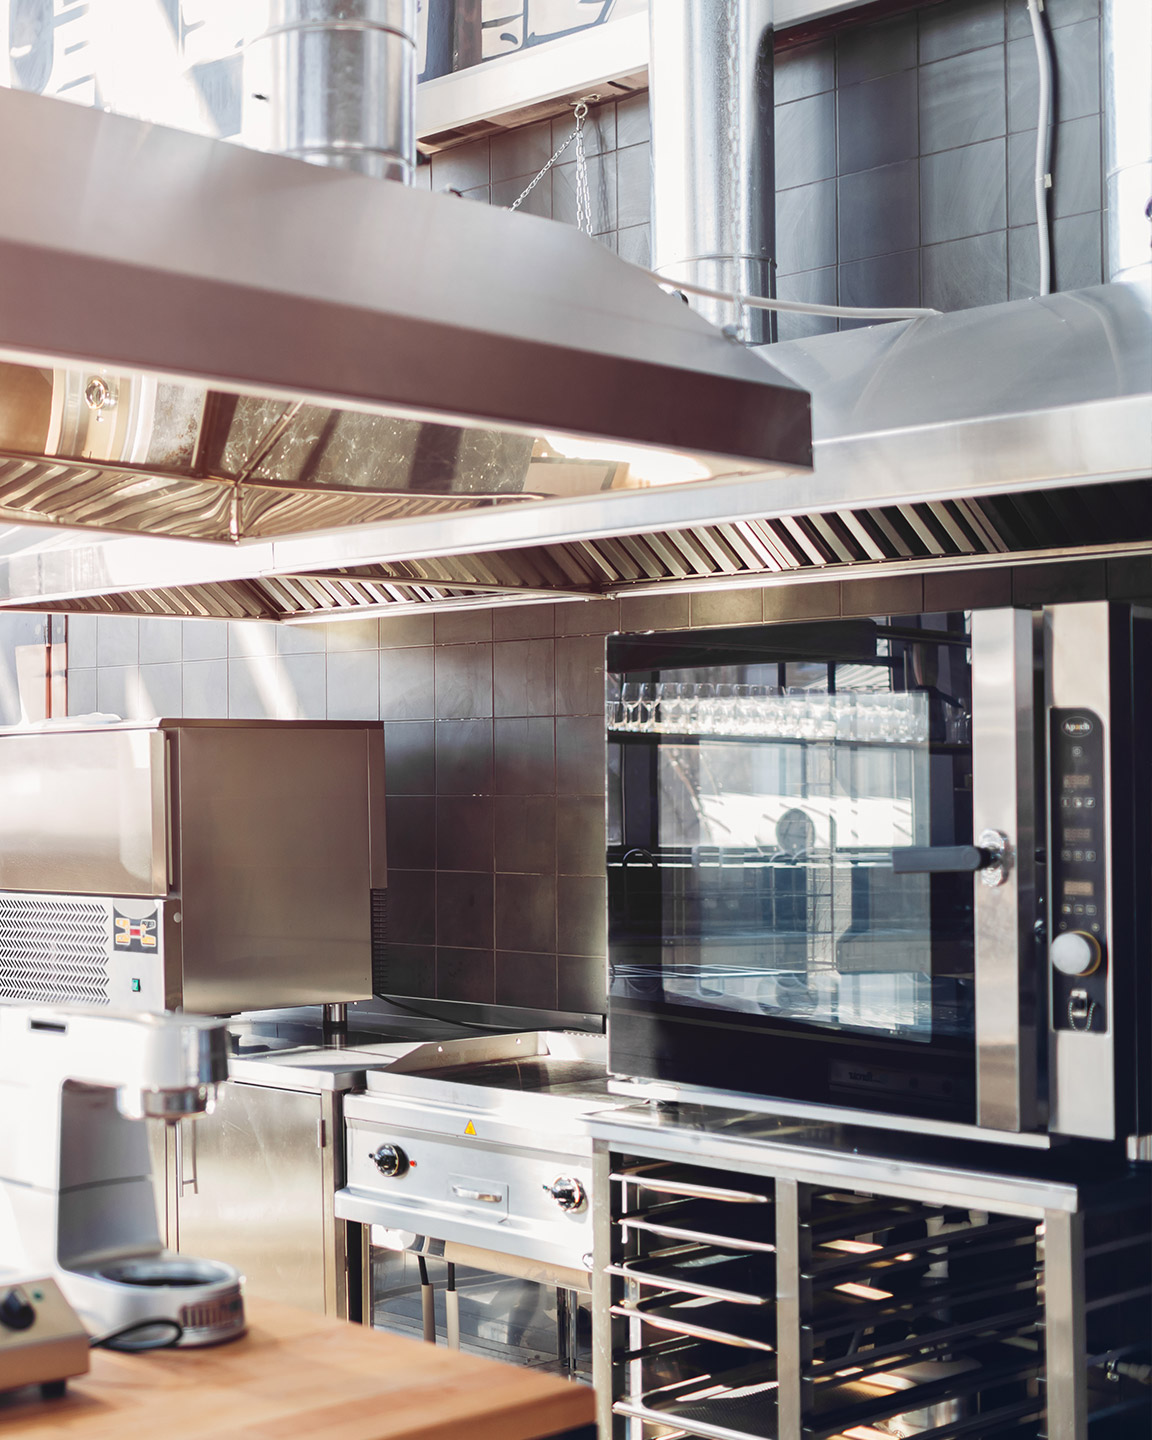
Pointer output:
x,y
896,867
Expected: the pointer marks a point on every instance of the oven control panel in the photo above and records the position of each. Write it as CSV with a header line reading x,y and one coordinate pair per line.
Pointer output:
x,y
1078,868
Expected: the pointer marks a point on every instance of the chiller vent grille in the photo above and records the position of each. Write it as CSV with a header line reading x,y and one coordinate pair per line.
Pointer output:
x,y
53,951
379,942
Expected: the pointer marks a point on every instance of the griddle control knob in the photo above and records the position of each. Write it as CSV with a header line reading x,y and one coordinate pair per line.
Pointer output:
x,y
1075,953
390,1160
568,1193
16,1312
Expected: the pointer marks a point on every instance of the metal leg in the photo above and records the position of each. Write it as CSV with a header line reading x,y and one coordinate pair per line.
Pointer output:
x,y
452,1310
427,1302
1065,1342
792,1256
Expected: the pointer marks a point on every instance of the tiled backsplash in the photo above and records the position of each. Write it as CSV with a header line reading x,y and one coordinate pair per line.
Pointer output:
x,y
904,158
494,739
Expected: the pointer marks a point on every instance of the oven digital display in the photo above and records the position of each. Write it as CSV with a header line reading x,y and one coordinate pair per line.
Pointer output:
x,y
1077,834
1077,782
1080,888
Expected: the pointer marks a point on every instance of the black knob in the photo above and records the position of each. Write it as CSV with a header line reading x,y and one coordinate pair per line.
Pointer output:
x,y
390,1160
567,1192
16,1312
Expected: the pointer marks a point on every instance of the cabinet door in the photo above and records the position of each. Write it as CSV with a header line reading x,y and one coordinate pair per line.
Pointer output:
x,y
250,1191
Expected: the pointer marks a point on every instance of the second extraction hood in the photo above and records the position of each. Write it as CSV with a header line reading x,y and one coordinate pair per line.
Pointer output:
x,y
204,342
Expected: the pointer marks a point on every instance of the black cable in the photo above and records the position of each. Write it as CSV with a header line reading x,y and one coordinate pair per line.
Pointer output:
x,y
110,1342
444,1019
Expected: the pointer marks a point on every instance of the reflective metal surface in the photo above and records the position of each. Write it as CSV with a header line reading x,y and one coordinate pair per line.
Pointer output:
x,y
1004,800
343,83
1127,54
713,161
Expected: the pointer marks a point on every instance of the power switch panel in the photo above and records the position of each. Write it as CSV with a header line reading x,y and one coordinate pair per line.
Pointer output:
x,y
41,1340
1079,923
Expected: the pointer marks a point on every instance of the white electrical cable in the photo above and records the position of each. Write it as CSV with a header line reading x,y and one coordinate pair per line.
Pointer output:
x,y
1042,177
794,307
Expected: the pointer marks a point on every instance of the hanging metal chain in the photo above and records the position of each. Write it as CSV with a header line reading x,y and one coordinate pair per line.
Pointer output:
x,y
583,194
735,178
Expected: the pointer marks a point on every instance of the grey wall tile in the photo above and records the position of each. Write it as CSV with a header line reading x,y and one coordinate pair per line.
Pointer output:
x,y
410,970
523,622
461,167
159,640
895,595
524,978
206,689
805,141
806,228
81,694
725,607
525,757
963,273
295,639
877,122
599,130
256,688
505,193
1076,60
634,244
82,645
117,640
161,690
463,681
353,635
1076,167
482,194
525,834
463,908
408,684
588,617
1056,12
458,627
404,630
879,211
354,685
867,51
464,757
306,685
634,186
654,612
422,175
962,192
115,691
813,601
412,907
968,589
411,821
465,975
464,832
526,912
580,755
524,673
803,70
207,639
963,100
951,29
520,152
633,123
247,637
1077,259
580,675
581,915
883,280
814,287
601,192
410,757
581,984
580,842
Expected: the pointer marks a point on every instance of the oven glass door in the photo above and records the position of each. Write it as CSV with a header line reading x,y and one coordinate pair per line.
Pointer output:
x,y
783,802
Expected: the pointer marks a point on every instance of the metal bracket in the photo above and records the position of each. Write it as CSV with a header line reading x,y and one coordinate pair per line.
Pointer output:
x,y
999,848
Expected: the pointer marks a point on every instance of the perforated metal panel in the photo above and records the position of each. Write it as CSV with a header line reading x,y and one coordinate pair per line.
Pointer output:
x,y
53,951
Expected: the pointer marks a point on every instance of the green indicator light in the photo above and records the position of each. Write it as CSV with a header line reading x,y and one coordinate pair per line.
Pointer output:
x,y
135,987
37,1294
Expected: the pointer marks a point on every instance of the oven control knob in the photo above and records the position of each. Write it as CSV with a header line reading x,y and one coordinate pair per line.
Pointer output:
x,y
1076,953
390,1160
568,1193
16,1312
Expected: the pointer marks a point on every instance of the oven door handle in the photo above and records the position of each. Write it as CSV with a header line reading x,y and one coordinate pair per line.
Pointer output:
x,y
989,857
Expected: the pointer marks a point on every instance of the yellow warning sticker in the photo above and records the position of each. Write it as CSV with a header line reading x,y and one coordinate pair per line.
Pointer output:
x,y
469,1129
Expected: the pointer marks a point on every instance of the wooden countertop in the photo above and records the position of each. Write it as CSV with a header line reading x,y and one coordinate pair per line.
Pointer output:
x,y
298,1376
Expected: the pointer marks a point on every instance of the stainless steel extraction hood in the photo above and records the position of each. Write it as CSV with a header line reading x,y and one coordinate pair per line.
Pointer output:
x,y
220,345
1013,431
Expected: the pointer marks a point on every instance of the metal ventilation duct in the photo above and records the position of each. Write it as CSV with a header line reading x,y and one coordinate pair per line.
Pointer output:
x,y
713,158
222,345
1127,45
